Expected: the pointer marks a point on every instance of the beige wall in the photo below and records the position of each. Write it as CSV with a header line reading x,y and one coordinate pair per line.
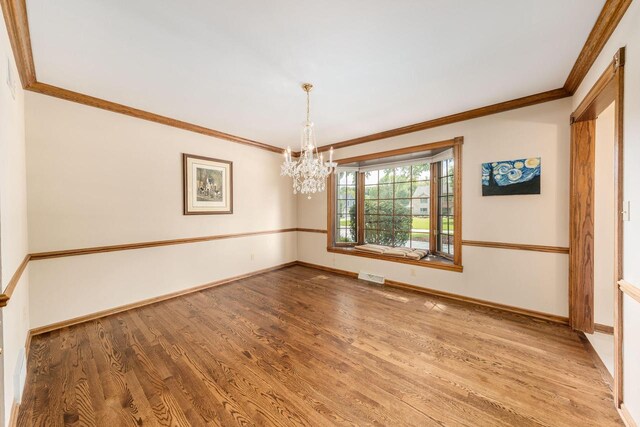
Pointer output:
x,y
627,34
99,178
532,280
604,223
13,218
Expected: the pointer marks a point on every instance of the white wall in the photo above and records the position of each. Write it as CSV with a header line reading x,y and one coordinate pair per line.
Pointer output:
x,y
604,222
532,280
627,34
99,178
13,217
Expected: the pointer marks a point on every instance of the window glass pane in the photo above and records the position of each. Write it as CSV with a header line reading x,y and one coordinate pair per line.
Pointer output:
x,y
370,236
420,224
342,178
386,207
351,178
419,240
420,172
403,190
371,192
386,176
351,208
402,231
402,207
351,192
420,189
342,192
371,221
341,206
385,223
421,206
443,206
370,207
403,174
371,177
443,186
386,191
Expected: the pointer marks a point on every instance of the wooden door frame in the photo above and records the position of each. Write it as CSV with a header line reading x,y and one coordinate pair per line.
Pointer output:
x,y
607,89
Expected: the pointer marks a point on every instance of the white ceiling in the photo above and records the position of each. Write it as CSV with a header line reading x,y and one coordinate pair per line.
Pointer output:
x,y
236,66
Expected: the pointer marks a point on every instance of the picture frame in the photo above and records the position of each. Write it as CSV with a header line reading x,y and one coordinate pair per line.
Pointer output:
x,y
207,185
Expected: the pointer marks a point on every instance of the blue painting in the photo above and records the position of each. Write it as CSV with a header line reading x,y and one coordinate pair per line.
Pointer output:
x,y
509,177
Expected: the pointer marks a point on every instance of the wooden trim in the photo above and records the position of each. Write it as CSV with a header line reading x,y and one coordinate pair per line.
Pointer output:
x,y
148,301
517,246
611,14
15,18
618,233
152,244
460,298
360,207
331,209
185,185
603,329
597,361
581,230
457,202
91,101
420,263
15,279
13,417
434,171
588,110
500,107
610,88
400,151
311,230
626,416
629,290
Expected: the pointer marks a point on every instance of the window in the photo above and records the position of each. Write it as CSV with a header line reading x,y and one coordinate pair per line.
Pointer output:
x,y
397,205
346,207
403,198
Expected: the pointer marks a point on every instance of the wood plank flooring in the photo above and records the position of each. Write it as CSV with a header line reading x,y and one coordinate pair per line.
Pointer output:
x,y
300,346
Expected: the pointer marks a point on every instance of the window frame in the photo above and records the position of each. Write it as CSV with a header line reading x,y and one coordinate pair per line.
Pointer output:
x,y
443,261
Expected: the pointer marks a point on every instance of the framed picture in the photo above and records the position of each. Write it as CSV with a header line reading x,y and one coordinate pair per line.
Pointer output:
x,y
208,185
508,177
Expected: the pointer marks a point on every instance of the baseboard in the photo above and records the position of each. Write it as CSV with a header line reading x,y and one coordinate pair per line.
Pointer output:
x,y
604,372
149,301
460,298
604,329
626,416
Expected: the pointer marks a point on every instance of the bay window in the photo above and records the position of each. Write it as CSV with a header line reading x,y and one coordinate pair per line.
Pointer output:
x,y
407,198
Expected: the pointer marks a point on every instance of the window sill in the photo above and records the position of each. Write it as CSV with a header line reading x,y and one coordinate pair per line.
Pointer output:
x,y
430,262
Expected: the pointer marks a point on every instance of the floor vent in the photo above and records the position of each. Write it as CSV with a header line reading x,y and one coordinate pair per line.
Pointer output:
x,y
375,278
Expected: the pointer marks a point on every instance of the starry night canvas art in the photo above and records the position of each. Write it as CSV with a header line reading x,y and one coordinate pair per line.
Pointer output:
x,y
521,176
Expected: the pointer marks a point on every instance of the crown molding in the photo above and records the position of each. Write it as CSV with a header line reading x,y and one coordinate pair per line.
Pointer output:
x,y
500,107
91,101
608,20
15,15
610,15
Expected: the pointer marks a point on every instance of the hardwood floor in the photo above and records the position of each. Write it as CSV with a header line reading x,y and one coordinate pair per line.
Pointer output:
x,y
300,346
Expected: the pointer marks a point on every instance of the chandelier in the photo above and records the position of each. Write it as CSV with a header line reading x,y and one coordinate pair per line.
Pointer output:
x,y
309,171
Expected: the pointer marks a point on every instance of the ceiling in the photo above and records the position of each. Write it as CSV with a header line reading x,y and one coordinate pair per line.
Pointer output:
x,y
236,66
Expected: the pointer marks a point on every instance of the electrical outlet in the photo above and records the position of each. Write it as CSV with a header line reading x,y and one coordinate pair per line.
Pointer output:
x,y
253,257
626,211
413,272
